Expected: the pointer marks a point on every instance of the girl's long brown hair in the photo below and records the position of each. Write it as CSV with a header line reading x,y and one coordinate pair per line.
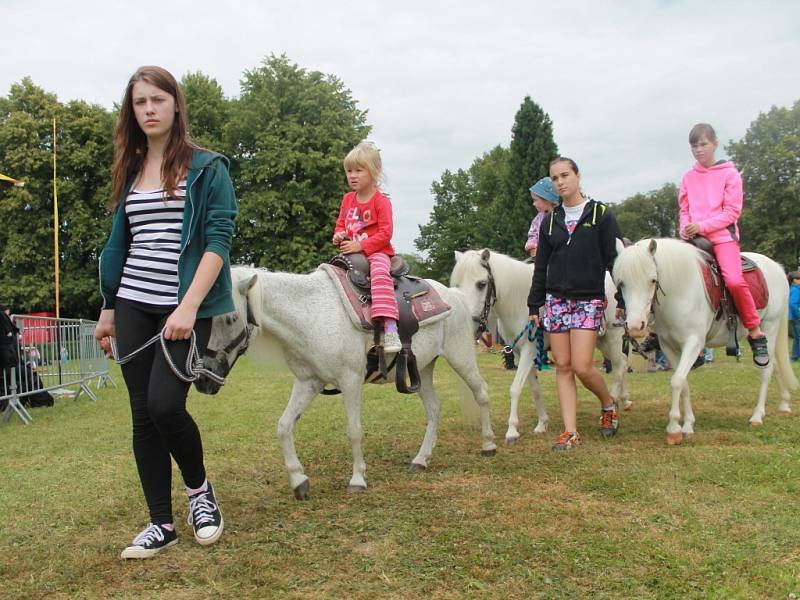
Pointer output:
x,y
130,142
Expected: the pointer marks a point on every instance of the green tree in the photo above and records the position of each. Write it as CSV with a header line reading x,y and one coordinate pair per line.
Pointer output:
x,y
654,214
84,145
416,265
288,134
769,158
462,216
532,149
208,111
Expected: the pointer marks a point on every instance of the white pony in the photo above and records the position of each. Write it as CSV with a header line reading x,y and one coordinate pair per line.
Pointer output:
x,y
512,281
305,316
664,276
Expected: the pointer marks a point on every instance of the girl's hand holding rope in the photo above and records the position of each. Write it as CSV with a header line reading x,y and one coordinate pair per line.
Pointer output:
x,y
180,323
104,330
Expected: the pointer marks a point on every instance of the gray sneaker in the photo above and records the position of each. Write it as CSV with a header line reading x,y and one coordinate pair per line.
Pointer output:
x,y
391,342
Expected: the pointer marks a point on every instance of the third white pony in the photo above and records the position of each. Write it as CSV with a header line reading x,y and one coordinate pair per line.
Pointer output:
x,y
476,273
664,277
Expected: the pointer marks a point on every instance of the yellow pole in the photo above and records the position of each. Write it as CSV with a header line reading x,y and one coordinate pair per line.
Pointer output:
x,y
55,220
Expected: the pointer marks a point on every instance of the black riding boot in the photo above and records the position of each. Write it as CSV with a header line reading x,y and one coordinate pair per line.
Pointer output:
x,y
508,360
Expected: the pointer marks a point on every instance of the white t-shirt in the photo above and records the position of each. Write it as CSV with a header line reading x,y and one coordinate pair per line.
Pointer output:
x,y
572,215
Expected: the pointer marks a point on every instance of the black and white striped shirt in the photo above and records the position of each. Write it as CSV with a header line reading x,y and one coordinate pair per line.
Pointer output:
x,y
150,274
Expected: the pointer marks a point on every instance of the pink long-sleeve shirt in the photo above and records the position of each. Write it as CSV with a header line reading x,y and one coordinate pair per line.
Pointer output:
x,y
369,223
712,198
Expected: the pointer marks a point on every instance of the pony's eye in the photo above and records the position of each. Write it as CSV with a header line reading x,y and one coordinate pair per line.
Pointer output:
x,y
481,284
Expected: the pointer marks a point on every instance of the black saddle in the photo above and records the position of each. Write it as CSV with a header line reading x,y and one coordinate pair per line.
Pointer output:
x,y
406,288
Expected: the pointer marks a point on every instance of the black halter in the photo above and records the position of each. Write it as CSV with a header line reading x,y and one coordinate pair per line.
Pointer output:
x,y
488,302
627,339
244,334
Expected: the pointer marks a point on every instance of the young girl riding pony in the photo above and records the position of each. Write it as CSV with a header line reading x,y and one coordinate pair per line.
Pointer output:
x,y
365,225
710,200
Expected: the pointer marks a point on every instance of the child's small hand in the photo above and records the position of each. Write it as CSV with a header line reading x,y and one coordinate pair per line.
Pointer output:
x,y
338,237
350,246
690,231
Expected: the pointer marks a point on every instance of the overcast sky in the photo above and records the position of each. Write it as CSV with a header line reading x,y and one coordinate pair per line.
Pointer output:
x,y
622,81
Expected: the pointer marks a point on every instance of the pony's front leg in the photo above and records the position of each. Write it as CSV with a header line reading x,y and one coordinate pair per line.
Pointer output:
x,y
351,396
761,405
688,413
463,363
524,369
303,392
682,364
610,345
432,405
536,390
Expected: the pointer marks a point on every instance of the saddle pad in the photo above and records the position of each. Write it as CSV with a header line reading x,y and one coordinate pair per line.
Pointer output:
x,y
427,308
753,277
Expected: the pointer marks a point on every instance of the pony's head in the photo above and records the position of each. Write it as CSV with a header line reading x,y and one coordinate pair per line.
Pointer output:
x,y
472,275
230,333
636,276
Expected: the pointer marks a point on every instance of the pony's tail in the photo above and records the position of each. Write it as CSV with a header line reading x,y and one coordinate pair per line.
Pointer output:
x,y
782,354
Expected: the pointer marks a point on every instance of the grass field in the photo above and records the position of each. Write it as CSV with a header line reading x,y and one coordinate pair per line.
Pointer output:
x,y
625,518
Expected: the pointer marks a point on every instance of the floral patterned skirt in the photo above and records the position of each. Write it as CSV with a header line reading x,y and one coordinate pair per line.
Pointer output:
x,y
563,314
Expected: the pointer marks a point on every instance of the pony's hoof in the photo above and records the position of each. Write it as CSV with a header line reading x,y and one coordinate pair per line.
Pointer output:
x,y
674,439
416,468
756,423
356,489
784,413
628,407
491,452
302,490
512,441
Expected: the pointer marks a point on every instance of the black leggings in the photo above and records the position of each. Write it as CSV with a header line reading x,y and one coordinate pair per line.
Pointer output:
x,y
161,425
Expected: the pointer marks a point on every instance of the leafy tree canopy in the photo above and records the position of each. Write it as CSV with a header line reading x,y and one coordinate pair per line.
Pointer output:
x,y
84,150
769,159
489,205
654,214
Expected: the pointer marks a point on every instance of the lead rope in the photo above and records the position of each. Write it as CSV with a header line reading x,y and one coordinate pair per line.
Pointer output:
x,y
194,364
529,329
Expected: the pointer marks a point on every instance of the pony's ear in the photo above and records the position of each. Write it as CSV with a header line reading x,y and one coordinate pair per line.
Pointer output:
x,y
652,247
620,246
485,255
458,255
245,284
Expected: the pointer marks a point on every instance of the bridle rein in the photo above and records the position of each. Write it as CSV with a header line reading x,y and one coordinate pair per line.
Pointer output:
x,y
489,300
627,338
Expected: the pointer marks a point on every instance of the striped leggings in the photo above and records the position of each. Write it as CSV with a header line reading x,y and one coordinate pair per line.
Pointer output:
x,y
384,303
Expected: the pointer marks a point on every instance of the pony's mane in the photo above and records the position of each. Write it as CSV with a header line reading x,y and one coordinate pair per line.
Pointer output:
x,y
675,261
509,273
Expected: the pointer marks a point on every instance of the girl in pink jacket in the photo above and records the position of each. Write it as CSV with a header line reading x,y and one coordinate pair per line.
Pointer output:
x,y
710,200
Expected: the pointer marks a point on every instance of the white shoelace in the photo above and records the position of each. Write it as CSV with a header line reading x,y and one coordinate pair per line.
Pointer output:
x,y
201,510
151,533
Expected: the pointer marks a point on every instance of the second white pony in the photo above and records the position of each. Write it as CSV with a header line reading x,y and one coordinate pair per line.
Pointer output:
x,y
478,272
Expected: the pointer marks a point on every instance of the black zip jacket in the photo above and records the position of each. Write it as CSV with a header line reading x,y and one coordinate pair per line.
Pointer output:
x,y
574,266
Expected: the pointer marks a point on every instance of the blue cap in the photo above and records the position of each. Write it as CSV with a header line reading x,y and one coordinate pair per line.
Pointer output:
x,y
545,190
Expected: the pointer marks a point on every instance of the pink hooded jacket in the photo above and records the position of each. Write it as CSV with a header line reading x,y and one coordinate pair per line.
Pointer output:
x,y
712,198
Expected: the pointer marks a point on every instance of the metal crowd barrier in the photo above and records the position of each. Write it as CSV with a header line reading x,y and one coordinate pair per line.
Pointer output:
x,y
53,355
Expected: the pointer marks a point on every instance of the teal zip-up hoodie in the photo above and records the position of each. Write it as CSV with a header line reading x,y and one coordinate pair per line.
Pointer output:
x,y
208,216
